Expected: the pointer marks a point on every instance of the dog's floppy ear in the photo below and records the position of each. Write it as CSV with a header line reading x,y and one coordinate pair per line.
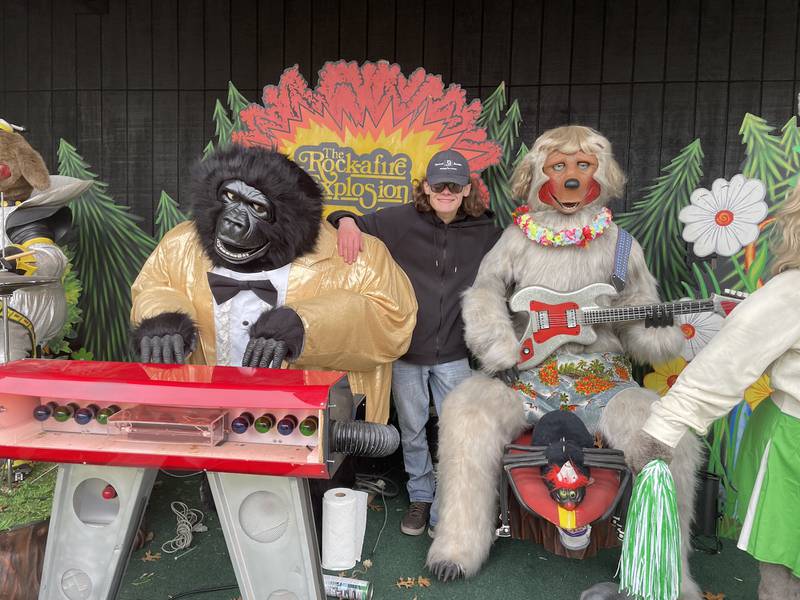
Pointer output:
x,y
31,164
522,177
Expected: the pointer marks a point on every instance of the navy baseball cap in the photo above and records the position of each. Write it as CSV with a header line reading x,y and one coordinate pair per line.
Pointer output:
x,y
448,166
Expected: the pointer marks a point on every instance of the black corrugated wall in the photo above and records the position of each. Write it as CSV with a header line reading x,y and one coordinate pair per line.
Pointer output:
x,y
132,83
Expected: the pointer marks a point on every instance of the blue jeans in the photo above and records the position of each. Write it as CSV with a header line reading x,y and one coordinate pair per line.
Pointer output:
x,y
411,399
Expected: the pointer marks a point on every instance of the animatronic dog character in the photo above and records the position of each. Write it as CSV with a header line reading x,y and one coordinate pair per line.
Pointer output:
x,y
255,278
36,217
564,240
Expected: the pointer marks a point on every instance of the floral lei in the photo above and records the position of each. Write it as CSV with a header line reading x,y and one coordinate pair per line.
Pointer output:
x,y
578,236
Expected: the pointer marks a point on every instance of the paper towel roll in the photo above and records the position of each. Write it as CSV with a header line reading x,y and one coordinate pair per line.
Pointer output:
x,y
344,521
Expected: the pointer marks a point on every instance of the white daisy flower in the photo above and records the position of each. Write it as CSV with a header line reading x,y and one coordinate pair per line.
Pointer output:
x,y
698,329
725,219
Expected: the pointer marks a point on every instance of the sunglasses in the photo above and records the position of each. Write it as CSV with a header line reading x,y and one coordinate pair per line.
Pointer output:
x,y
453,187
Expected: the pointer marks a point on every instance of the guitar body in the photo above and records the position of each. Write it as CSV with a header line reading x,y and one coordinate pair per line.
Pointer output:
x,y
555,319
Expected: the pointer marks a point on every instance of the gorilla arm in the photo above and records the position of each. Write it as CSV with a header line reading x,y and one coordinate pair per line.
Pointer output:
x,y
163,315
488,330
652,345
363,321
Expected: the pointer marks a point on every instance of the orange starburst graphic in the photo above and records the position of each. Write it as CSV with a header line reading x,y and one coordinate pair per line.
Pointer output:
x,y
366,133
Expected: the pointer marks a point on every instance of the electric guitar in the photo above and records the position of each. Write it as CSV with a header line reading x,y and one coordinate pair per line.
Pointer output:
x,y
558,318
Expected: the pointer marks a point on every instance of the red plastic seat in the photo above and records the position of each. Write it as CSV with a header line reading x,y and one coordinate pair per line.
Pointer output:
x,y
532,493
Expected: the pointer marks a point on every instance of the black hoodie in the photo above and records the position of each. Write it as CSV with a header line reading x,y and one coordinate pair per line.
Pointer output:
x,y
441,260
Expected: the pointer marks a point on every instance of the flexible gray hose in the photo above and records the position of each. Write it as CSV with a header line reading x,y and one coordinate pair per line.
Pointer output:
x,y
359,438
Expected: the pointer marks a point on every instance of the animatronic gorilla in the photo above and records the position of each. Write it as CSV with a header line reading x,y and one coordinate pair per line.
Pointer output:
x,y
564,240
254,278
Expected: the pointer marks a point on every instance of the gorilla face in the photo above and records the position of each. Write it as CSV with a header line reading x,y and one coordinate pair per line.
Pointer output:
x,y
254,209
241,226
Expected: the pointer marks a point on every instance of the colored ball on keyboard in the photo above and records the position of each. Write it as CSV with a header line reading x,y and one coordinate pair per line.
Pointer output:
x,y
308,426
264,423
62,413
241,423
287,424
43,412
83,416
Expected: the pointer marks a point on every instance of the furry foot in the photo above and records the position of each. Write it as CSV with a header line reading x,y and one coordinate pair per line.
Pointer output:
x,y
447,570
607,590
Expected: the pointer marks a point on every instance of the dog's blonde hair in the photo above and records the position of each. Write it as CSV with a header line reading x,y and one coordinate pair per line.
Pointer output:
x,y
529,176
787,230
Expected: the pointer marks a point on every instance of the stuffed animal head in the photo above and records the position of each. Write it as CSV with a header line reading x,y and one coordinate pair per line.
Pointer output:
x,y
254,209
567,484
567,169
22,169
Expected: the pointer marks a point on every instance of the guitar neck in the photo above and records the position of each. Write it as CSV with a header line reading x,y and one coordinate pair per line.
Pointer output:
x,y
637,313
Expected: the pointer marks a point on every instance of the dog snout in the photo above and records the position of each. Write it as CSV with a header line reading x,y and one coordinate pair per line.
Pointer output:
x,y
572,184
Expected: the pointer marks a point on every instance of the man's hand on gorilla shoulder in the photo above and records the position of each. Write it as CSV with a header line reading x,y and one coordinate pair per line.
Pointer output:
x,y
166,338
277,335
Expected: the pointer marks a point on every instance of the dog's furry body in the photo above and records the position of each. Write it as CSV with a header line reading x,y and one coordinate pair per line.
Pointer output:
x,y
485,409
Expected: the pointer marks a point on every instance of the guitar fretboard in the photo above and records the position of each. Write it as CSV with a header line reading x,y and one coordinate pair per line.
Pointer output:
x,y
635,313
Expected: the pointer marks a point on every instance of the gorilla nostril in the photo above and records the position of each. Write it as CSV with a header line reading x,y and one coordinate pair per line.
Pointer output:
x,y
572,184
5,171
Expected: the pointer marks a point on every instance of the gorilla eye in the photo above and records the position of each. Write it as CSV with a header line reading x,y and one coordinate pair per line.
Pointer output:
x,y
558,167
230,196
259,209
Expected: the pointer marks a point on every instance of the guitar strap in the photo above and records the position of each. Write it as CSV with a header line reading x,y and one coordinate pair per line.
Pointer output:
x,y
623,251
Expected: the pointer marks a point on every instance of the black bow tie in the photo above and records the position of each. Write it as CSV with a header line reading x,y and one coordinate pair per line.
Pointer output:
x,y
224,288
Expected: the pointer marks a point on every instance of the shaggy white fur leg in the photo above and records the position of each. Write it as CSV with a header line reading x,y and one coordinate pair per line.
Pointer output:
x,y
777,583
622,418
604,591
479,417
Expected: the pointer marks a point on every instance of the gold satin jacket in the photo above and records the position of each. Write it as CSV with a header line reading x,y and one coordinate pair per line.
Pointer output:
x,y
358,318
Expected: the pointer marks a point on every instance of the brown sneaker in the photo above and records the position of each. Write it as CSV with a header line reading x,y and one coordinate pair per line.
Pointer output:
x,y
416,518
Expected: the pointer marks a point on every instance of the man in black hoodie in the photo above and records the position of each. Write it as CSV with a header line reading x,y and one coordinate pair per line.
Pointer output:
x,y
439,241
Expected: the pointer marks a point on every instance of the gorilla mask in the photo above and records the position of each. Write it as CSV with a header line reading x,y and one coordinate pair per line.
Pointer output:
x,y
254,209
241,234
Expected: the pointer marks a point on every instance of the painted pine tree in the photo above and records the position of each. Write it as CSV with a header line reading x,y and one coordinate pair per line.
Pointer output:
x,y
653,220
765,157
505,131
109,249
790,143
226,120
167,215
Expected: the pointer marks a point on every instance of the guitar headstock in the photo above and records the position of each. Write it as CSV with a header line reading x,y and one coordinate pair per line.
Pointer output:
x,y
729,299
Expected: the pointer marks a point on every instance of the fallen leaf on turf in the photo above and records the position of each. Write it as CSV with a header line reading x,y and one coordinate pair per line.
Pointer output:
x,y
149,537
367,564
713,596
423,581
149,557
375,507
407,583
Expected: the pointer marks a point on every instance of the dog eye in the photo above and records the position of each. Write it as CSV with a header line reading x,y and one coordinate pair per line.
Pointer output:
x,y
583,165
558,167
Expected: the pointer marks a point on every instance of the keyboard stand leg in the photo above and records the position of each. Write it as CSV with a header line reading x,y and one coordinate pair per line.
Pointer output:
x,y
90,537
269,530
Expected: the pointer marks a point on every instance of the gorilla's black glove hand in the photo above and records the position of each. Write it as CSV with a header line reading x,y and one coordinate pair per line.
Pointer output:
x,y
277,334
11,265
658,317
509,376
166,338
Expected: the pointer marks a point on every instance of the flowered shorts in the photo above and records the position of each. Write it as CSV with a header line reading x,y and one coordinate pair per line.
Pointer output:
x,y
581,383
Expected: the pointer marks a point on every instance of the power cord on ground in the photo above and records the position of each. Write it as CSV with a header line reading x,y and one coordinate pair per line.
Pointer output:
x,y
190,520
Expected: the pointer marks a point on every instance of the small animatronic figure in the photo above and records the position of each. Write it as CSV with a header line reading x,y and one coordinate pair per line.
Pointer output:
x,y
255,278
36,218
563,239
762,334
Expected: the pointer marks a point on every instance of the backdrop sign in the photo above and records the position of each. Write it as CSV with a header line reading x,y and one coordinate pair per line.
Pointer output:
x,y
366,133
